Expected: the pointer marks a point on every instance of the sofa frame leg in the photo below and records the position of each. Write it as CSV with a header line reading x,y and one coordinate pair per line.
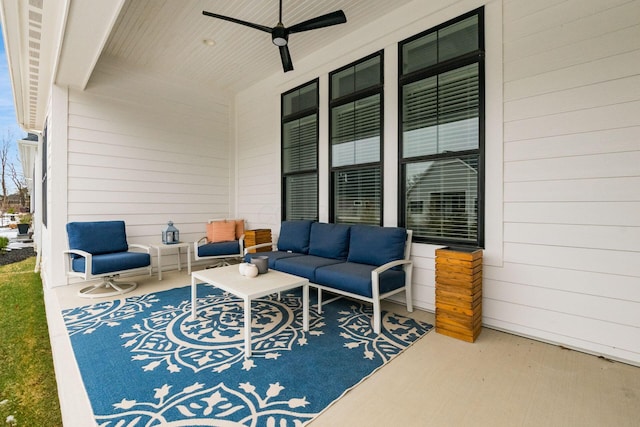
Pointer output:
x,y
377,321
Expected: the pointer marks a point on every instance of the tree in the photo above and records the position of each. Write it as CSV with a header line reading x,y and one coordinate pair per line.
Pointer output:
x,y
20,181
4,164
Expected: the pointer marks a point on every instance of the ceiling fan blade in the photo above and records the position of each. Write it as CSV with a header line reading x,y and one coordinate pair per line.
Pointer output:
x,y
333,18
287,65
238,21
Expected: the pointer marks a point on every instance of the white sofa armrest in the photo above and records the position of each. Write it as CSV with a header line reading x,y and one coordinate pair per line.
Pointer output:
x,y
87,266
145,248
261,245
404,262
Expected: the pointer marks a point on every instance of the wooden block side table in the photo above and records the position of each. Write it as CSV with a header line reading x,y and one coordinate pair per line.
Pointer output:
x,y
459,293
257,237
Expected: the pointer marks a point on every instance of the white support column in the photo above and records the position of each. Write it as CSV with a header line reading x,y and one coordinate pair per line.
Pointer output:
x,y
55,237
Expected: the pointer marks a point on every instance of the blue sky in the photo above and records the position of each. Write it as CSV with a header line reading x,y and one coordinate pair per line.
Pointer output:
x,y
8,119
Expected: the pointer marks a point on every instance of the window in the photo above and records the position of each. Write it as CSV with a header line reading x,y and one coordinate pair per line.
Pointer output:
x,y
355,123
300,153
441,90
44,176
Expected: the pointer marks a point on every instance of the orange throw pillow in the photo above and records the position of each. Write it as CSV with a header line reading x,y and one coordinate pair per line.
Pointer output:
x,y
221,231
239,228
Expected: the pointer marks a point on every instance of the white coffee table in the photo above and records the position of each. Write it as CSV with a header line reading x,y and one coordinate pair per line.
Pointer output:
x,y
249,288
161,247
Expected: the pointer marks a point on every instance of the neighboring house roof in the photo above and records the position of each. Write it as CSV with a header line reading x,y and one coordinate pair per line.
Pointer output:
x,y
433,165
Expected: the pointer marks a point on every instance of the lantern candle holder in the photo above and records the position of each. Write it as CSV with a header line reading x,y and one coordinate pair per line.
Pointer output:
x,y
170,235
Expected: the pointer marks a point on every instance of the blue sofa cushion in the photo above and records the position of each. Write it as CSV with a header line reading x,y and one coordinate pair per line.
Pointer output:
x,y
376,245
329,240
294,236
219,248
108,263
273,256
98,237
304,265
356,278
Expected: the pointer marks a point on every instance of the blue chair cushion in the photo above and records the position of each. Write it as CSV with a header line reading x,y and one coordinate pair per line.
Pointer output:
x,y
219,249
294,236
376,245
109,263
98,237
329,240
356,278
304,265
273,256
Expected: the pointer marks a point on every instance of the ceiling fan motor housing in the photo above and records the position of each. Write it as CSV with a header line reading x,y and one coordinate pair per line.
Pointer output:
x,y
279,35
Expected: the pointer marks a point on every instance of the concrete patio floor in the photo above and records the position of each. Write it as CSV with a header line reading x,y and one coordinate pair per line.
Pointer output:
x,y
500,380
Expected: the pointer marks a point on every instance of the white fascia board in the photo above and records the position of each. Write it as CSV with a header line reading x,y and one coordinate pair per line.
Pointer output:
x,y
32,33
87,28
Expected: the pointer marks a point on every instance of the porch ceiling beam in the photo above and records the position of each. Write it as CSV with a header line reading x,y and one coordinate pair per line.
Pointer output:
x,y
52,42
87,29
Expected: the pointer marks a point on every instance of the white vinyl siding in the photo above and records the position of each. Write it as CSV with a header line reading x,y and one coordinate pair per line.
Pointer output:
x,y
562,258
146,157
258,149
571,177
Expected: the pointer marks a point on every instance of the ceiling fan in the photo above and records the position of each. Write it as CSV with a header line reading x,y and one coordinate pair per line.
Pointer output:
x,y
280,33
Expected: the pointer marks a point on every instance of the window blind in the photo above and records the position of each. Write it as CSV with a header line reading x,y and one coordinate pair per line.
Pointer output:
x,y
357,196
299,142
355,132
301,197
440,113
299,145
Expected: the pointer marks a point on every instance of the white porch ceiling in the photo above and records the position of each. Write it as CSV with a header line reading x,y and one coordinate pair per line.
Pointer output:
x,y
62,41
165,37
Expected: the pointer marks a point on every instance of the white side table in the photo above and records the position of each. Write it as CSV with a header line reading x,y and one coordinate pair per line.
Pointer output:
x,y
163,248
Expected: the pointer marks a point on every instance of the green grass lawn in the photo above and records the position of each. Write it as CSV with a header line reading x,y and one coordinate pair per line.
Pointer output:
x,y
28,391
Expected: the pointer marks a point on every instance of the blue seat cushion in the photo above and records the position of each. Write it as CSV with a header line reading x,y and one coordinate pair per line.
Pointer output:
x,y
376,245
108,263
97,237
294,236
304,265
329,240
356,278
219,249
273,256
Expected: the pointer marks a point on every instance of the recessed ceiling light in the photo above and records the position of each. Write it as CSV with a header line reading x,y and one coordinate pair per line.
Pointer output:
x,y
209,42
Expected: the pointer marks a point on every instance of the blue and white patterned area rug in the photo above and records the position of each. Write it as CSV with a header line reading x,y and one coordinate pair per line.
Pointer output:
x,y
144,362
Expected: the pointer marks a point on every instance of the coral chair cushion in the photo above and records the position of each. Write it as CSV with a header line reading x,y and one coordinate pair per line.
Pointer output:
x,y
98,237
239,228
221,231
